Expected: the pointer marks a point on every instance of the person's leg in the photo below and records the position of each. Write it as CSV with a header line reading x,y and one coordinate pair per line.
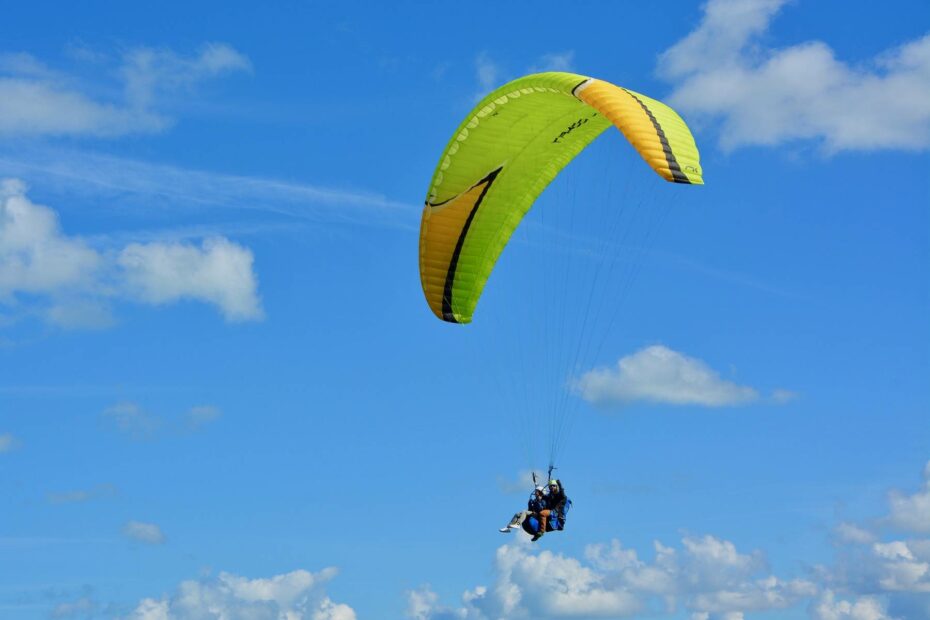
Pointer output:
x,y
543,519
514,523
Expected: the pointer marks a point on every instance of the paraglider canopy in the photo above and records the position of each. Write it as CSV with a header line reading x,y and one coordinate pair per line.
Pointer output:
x,y
507,150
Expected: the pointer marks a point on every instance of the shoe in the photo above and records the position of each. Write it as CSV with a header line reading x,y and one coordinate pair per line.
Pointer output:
x,y
504,530
536,537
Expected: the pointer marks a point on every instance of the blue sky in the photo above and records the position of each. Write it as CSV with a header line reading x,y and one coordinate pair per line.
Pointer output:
x,y
222,393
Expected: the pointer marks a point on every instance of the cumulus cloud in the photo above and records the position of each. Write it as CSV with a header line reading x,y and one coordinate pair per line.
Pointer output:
x,y
148,533
828,607
911,513
899,567
881,573
298,595
761,96
660,375
36,101
706,576
423,604
876,574
73,283
217,271
34,255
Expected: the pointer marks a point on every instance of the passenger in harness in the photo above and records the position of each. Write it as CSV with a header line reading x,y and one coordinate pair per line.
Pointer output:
x,y
554,511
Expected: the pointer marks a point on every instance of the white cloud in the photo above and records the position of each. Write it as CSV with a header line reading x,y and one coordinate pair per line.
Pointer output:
x,y
886,576
717,561
34,256
707,576
218,272
874,576
160,187
148,533
660,375
298,595
35,101
766,96
423,604
75,283
861,608
7,442
851,533
899,569
30,107
911,513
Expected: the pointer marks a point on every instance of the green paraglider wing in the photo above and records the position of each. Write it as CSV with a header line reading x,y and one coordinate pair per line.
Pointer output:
x,y
506,151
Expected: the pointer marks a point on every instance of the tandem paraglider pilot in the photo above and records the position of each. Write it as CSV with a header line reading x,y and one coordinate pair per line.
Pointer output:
x,y
545,511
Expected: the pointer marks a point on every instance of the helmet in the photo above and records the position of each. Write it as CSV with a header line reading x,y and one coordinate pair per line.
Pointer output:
x,y
553,483
540,489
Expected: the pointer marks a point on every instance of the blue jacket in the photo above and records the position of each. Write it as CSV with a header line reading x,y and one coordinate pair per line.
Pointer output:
x,y
537,503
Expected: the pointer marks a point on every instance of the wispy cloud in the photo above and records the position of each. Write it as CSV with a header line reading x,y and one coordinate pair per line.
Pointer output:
x,y
167,187
201,415
37,101
490,74
769,96
726,275
852,533
147,533
298,594
521,483
660,375
84,607
151,73
555,61
7,442
487,71
80,496
133,421
73,283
